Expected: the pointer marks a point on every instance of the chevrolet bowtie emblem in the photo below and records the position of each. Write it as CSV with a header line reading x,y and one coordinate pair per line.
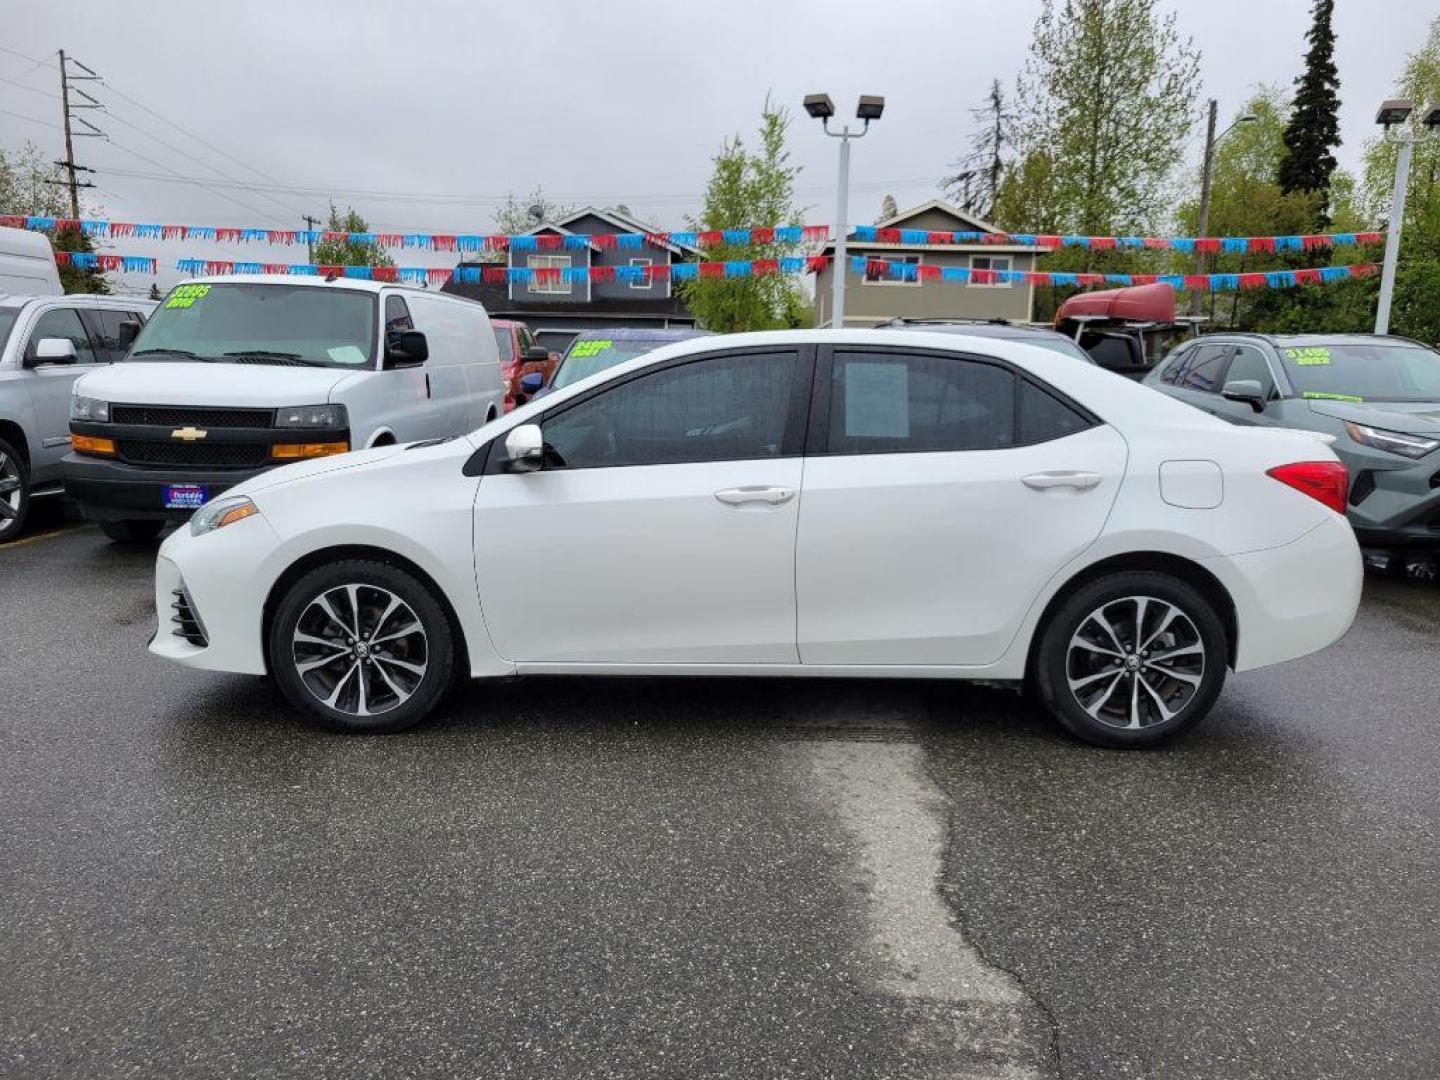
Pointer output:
x,y
189,434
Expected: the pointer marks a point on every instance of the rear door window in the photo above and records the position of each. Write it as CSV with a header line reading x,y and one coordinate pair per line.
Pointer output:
x,y
104,325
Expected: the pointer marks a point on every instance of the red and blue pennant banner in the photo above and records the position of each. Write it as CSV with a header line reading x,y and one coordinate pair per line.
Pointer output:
x,y
1228,245
89,260
479,243
501,274
962,275
468,243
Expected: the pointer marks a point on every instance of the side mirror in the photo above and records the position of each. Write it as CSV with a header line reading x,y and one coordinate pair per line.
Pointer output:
x,y
537,354
128,331
1247,390
533,382
525,446
406,350
54,350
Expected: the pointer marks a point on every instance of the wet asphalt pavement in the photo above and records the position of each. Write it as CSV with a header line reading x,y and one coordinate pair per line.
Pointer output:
x,y
625,878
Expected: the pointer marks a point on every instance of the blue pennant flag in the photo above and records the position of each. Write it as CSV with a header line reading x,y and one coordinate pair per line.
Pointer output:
x,y
737,237
251,268
864,232
629,241
1235,245
523,243
1182,243
684,239
685,271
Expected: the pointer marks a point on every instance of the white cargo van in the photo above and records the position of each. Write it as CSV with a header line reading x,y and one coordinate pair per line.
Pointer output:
x,y
233,375
27,264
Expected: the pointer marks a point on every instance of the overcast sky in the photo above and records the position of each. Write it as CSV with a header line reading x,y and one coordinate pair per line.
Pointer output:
x,y
424,114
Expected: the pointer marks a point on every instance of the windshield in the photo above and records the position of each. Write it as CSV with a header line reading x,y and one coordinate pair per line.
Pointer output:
x,y
1364,371
585,358
230,322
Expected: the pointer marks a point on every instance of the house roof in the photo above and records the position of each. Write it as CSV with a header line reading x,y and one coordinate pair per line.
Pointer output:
x,y
622,223
969,222
497,301
937,204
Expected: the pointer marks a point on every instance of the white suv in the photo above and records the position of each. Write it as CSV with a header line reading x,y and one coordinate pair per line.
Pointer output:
x,y
235,375
46,344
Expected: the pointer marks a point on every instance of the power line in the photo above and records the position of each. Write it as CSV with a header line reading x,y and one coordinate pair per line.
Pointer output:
x,y
32,119
32,89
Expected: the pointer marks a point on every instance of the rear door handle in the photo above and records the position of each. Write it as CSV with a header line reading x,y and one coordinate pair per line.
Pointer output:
x,y
741,496
1080,481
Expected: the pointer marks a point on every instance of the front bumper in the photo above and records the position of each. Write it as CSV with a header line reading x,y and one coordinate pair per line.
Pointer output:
x,y
1393,505
112,491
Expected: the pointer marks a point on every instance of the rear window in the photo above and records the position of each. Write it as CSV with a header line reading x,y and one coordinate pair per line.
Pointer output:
x,y
1363,371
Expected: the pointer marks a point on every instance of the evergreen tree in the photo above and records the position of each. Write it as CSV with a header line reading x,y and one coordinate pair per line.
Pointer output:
x,y
888,208
977,185
1314,128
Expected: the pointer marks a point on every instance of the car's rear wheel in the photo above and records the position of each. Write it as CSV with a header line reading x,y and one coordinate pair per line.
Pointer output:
x,y
14,492
132,530
362,646
1132,659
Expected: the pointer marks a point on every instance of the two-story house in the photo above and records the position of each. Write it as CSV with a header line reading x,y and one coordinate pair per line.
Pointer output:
x,y
874,297
557,306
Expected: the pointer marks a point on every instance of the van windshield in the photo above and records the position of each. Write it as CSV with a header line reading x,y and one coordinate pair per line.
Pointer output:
x,y
235,322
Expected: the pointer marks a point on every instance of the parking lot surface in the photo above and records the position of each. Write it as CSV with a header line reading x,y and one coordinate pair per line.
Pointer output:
x,y
626,878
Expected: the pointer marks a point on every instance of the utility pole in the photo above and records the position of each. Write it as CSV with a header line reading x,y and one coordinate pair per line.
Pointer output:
x,y
310,223
69,106
1206,174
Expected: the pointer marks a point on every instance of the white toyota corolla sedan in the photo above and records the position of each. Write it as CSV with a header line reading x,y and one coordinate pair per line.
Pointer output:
x,y
803,503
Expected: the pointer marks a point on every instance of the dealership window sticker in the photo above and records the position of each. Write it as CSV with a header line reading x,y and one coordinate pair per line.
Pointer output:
x,y
184,296
1309,356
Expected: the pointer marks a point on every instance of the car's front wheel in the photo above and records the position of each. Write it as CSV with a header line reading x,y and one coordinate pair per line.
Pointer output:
x,y
363,646
1131,659
14,492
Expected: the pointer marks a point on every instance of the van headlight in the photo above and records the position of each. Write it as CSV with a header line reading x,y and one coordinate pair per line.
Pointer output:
x,y
221,512
312,416
89,409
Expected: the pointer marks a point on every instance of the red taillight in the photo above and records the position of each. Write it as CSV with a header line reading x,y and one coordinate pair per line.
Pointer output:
x,y
1327,481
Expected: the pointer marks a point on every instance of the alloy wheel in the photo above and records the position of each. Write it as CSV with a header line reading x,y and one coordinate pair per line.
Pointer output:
x,y
1135,662
360,649
10,492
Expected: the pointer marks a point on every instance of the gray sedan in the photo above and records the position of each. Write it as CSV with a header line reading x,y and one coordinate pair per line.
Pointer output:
x,y
1379,397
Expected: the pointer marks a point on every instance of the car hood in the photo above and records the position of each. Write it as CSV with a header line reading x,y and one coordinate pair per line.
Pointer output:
x,y
261,386
301,470
1408,417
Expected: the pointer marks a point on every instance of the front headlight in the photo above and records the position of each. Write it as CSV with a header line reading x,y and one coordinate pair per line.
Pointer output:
x,y
221,512
312,416
89,409
1395,442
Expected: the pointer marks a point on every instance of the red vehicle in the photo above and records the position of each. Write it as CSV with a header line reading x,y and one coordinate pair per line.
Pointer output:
x,y
519,356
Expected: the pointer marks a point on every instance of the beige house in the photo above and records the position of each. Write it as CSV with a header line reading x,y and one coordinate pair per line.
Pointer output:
x,y
870,300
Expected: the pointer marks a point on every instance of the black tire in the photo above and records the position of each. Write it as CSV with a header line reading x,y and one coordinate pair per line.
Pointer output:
x,y
14,492
383,674
1167,692
132,530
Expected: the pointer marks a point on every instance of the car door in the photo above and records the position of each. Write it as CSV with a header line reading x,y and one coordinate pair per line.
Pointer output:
x,y
1248,362
49,385
661,529
942,491
1200,381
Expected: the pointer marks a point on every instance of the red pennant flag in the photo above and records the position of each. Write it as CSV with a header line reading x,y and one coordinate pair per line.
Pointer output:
x,y
928,272
494,275
1156,243
62,258
712,238
1368,237
1208,244
1310,243
225,266
1049,241
12,221
815,263
712,269
1197,281
1144,279
1090,279
549,241
660,271
982,277
815,234
603,241
762,236
385,273
602,273
1102,243
384,239
1307,277
437,275
329,270
939,238
1253,281
1362,271
657,239
497,243
443,243
761,267
277,268
1260,243
341,237
888,236
283,236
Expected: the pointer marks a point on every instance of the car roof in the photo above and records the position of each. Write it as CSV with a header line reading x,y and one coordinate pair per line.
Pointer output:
x,y
642,333
1003,330
312,281
1300,340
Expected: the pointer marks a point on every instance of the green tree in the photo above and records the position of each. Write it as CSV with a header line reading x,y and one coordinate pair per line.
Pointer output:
x,y
750,189
977,184
1108,95
888,208
347,252
521,215
1314,128
31,185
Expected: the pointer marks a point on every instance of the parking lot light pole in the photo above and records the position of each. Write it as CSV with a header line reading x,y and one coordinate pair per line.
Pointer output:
x,y
1392,115
821,108
1207,174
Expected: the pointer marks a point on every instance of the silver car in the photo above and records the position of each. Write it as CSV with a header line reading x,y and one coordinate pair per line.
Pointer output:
x,y
46,343
1379,397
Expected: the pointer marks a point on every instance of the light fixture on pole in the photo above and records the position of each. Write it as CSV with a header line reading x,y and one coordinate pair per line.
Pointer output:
x,y
1207,172
1392,116
821,108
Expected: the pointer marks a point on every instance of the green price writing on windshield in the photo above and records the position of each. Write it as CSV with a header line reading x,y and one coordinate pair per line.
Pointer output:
x,y
1317,395
1310,356
590,348
185,295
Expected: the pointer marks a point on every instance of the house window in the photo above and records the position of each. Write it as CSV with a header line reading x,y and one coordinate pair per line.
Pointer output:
x,y
550,262
644,282
876,275
999,263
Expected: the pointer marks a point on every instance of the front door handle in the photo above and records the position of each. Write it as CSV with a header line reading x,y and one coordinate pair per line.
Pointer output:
x,y
769,496
1080,481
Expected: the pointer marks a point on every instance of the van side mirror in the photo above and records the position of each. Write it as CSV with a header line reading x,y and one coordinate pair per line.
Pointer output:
x,y
127,332
406,350
54,350
525,447
1247,390
533,382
